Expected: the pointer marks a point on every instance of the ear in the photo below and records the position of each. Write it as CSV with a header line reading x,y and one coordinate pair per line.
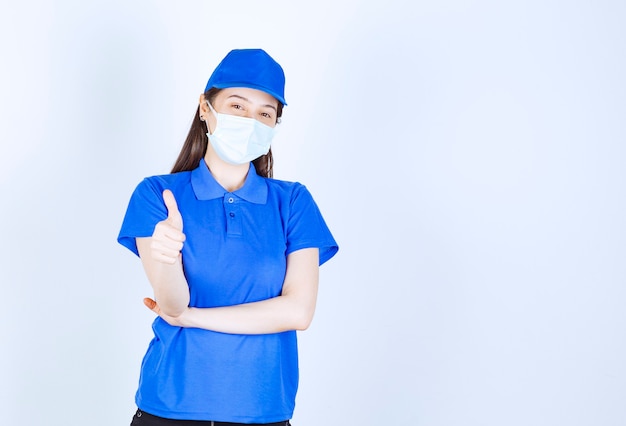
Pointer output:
x,y
206,115
204,108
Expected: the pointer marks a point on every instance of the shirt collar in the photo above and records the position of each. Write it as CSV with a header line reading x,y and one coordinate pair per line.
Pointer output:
x,y
205,186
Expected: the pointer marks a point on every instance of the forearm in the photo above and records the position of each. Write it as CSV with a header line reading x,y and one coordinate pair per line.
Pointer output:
x,y
171,290
168,281
274,315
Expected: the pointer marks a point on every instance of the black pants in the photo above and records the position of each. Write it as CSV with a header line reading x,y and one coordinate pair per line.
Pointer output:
x,y
141,418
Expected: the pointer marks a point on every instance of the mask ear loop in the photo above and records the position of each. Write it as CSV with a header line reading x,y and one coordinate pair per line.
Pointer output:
x,y
211,108
207,121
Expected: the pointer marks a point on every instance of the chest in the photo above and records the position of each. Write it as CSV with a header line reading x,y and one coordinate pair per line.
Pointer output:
x,y
234,252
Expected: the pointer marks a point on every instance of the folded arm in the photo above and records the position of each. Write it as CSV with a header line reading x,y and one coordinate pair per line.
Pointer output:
x,y
292,310
168,281
161,259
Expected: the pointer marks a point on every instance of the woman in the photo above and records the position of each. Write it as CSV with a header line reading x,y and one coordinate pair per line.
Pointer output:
x,y
233,258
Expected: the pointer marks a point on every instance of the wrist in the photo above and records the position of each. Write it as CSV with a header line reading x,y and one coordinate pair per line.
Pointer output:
x,y
186,318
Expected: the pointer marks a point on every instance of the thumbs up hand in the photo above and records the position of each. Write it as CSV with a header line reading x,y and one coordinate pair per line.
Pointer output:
x,y
168,237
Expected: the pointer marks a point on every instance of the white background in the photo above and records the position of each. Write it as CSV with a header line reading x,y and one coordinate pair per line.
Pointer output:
x,y
469,157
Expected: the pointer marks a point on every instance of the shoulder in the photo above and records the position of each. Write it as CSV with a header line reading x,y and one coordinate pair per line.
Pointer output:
x,y
294,196
149,191
305,226
170,181
285,189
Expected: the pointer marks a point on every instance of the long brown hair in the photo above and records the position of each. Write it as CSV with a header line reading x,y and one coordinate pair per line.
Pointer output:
x,y
195,145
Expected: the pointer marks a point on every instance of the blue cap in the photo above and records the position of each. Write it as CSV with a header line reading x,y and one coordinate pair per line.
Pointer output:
x,y
251,68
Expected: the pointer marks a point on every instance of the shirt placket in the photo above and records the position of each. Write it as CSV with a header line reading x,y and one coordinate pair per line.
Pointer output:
x,y
233,216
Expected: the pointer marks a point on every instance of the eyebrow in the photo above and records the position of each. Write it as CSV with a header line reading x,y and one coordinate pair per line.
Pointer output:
x,y
248,100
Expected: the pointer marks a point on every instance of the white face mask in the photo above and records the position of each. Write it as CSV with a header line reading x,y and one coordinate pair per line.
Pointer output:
x,y
239,140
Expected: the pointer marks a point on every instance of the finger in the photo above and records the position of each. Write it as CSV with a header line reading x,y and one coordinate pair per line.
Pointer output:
x,y
151,304
171,248
167,230
165,248
167,258
173,215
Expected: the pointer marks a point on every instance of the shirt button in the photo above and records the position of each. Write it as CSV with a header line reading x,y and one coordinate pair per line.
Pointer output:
x,y
232,214
231,200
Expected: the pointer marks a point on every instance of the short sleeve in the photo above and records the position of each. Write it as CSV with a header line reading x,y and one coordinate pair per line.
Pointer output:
x,y
145,209
306,227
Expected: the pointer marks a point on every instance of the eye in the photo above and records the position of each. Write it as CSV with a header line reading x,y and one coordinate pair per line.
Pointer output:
x,y
266,115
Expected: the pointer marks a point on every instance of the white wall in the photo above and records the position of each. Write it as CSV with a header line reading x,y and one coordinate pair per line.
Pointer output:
x,y
468,156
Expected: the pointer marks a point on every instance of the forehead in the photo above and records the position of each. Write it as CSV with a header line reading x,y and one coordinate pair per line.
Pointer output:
x,y
245,94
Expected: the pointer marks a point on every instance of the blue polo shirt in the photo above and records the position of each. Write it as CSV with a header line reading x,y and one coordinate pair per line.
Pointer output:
x,y
235,252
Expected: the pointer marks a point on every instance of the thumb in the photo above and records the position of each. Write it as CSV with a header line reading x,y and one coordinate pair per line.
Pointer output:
x,y
173,215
